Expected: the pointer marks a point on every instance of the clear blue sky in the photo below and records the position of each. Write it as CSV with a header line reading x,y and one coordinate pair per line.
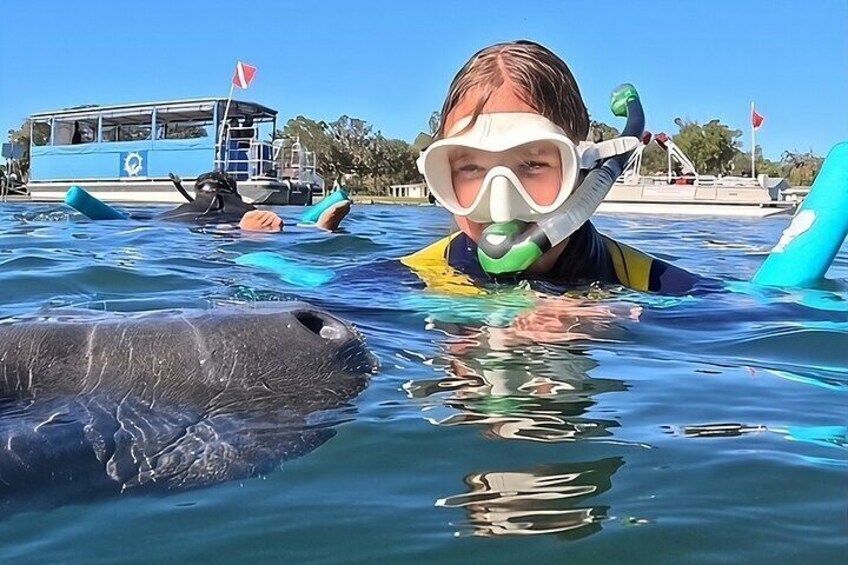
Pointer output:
x,y
390,62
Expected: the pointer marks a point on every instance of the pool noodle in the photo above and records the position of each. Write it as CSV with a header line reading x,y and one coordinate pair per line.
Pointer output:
x,y
808,246
90,207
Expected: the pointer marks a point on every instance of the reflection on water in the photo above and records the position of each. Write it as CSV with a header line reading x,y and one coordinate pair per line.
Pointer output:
x,y
553,499
538,393
516,388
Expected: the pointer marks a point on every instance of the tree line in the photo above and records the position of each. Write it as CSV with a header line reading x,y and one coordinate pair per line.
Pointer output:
x,y
715,149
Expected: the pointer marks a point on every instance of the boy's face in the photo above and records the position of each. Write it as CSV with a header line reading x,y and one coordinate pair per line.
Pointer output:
x,y
538,164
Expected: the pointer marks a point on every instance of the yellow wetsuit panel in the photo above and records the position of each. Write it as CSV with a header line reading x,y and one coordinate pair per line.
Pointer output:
x,y
632,267
431,266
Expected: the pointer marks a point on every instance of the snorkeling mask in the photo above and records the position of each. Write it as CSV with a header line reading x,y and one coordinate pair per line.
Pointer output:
x,y
523,229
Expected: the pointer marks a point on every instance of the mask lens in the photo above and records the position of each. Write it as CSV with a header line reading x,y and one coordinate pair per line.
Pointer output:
x,y
536,165
468,168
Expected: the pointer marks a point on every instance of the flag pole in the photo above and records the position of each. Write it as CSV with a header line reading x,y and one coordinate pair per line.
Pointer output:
x,y
224,123
753,143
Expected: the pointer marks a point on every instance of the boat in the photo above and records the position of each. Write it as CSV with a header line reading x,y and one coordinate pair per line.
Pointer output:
x,y
127,152
682,190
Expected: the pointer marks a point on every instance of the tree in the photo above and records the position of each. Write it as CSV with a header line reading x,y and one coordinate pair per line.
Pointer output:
x,y
393,162
710,147
741,164
315,137
21,136
599,131
349,150
422,140
183,131
351,147
801,168
654,160
313,134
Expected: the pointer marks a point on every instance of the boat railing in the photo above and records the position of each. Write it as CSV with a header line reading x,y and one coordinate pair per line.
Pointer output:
x,y
246,158
296,162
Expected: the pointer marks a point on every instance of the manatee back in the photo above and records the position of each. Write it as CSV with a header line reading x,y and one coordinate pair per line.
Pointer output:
x,y
292,356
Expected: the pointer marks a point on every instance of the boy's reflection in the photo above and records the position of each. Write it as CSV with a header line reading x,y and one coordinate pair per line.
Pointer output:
x,y
532,392
516,386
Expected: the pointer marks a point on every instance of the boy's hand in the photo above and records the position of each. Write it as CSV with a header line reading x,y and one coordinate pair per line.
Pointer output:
x,y
261,220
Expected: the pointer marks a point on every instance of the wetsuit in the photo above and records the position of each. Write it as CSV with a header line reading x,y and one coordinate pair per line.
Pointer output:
x,y
215,208
588,257
216,200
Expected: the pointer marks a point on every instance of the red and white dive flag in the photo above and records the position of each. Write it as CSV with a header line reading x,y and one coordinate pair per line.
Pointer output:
x,y
756,119
244,75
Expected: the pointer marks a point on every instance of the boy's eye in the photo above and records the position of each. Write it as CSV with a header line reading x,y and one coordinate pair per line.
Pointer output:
x,y
469,168
535,165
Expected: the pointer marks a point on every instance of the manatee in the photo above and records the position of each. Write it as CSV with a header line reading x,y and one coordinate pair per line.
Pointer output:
x,y
171,399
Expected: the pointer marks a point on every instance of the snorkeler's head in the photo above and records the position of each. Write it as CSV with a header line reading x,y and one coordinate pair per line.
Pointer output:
x,y
508,145
518,76
215,181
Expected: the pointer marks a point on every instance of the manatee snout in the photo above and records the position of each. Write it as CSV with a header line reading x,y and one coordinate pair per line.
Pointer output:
x,y
349,345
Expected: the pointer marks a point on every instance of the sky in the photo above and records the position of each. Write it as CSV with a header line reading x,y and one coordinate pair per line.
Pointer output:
x,y
390,62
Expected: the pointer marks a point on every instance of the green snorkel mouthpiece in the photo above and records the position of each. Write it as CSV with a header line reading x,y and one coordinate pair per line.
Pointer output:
x,y
507,251
512,247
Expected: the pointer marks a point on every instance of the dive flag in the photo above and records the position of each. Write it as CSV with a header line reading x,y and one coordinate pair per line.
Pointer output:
x,y
756,119
244,75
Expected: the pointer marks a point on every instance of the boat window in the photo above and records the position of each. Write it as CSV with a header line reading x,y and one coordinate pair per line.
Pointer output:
x,y
41,132
75,131
180,126
130,126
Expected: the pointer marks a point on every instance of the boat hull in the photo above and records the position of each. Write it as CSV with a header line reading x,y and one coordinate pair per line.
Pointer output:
x,y
699,200
693,209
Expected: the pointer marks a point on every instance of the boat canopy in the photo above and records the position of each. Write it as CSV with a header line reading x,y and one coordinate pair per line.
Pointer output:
x,y
183,110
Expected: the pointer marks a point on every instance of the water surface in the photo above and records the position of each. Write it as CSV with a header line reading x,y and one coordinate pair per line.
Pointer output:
x,y
634,428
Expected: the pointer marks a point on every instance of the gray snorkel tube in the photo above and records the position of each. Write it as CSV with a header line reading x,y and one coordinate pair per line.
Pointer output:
x,y
512,247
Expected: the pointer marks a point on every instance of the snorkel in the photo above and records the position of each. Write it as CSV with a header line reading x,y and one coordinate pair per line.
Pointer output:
x,y
512,247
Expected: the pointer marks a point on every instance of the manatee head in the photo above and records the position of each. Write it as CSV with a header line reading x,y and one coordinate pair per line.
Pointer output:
x,y
289,354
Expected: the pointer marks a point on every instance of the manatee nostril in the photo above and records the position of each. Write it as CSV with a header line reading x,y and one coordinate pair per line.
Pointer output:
x,y
319,324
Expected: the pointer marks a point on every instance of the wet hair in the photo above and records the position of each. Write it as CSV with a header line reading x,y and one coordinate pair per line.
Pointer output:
x,y
541,80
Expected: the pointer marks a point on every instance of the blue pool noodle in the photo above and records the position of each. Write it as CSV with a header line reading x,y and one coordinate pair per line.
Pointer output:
x,y
90,207
813,239
312,215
